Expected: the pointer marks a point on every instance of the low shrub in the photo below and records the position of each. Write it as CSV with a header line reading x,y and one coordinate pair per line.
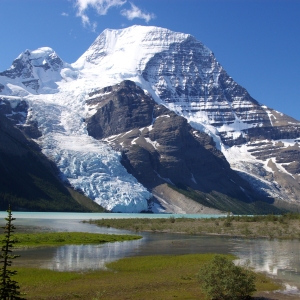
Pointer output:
x,y
221,279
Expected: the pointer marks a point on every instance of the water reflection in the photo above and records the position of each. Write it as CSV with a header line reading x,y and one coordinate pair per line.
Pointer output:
x,y
82,257
89,257
275,257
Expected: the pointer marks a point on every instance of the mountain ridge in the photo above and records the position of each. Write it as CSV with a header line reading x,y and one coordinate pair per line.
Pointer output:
x,y
181,74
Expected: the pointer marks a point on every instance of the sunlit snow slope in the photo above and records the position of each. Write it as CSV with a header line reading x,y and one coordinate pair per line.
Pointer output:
x,y
89,165
180,73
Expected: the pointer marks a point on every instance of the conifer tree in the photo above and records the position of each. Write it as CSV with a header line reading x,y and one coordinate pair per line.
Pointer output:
x,y
9,288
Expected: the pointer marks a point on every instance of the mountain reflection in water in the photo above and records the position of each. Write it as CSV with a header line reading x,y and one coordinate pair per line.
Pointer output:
x,y
83,257
279,258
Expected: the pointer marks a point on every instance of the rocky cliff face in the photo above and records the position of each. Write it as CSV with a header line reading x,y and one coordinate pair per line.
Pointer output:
x,y
188,77
189,80
18,112
161,149
73,111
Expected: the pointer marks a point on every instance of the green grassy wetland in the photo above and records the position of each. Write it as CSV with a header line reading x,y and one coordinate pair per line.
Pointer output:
x,y
47,239
285,226
149,277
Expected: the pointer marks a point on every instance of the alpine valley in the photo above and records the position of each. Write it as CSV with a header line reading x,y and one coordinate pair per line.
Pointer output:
x,y
146,120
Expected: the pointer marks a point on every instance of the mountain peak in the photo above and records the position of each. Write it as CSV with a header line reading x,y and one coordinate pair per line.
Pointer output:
x,y
44,57
40,52
33,70
129,46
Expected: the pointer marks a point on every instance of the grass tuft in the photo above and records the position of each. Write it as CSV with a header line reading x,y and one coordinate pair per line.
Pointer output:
x,y
63,238
149,277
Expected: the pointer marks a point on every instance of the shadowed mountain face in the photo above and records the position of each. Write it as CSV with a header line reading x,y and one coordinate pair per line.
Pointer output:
x,y
28,180
161,149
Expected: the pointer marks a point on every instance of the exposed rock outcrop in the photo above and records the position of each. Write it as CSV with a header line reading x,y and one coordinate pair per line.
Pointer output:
x,y
17,112
160,147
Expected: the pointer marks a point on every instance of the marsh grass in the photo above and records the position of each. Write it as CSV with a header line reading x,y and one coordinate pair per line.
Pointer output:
x,y
270,226
148,277
64,238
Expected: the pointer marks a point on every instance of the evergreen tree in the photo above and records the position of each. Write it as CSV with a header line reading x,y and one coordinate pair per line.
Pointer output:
x,y
9,289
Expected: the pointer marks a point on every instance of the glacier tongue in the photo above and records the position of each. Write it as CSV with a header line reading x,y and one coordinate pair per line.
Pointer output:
x,y
88,164
97,172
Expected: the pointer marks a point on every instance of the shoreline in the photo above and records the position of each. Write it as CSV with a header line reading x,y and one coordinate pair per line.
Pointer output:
x,y
228,235
285,227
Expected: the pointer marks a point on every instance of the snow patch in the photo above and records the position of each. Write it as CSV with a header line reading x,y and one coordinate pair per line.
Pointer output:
x,y
165,179
153,143
193,178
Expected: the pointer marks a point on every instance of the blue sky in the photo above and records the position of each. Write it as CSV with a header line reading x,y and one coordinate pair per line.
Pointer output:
x,y
256,41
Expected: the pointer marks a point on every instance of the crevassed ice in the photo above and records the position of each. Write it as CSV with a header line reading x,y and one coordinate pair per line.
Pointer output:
x,y
86,163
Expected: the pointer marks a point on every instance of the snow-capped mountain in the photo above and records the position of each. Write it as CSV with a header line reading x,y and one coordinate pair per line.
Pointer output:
x,y
177,72
37,70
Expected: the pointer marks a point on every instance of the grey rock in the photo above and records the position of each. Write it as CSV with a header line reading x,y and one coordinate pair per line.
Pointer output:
x,y
18,115
159,147
119,109
196,77
33,83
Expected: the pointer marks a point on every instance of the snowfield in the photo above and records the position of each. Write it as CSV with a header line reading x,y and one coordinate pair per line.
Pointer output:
x,y
56,92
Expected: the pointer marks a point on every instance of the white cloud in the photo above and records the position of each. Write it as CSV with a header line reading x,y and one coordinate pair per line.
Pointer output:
x,y
101,6
135,12
65,14
94,26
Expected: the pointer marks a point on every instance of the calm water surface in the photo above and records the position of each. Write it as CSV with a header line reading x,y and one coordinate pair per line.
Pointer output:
x,y
278,258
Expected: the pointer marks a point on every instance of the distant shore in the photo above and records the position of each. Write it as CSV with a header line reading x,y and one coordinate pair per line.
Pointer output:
x,y
286,226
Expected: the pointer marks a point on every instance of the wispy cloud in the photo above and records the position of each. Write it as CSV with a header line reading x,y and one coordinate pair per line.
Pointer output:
x,y
64,14
135,12
101,7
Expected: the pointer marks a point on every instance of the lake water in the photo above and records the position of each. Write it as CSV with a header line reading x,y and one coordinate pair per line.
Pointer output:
x,y
87,216
279,258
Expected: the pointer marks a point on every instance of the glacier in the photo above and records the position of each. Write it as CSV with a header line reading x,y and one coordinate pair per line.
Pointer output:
x,y
56,92
89,165
57,103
